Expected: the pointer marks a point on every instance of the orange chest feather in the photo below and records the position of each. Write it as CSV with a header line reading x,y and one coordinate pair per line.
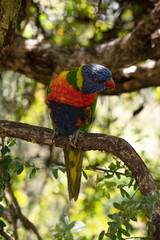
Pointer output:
x,y
62,91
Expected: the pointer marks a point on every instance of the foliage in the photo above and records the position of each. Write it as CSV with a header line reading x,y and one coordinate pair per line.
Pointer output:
x,y
81,22
66,229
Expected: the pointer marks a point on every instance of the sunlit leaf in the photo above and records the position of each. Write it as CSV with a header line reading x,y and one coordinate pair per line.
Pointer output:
x,y
78,227
32,174
106,193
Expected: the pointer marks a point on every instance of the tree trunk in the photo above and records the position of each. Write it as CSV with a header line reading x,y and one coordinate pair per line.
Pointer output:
x,y
8,17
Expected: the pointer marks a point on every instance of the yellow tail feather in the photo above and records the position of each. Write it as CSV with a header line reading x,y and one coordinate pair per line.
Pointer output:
x,y
73,162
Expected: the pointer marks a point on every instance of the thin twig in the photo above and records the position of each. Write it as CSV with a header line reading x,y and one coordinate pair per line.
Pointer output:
x,y
157,180
13,213
105,170
27,224
28,3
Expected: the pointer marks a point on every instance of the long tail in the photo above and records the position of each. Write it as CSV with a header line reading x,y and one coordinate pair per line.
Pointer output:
x,y
73,162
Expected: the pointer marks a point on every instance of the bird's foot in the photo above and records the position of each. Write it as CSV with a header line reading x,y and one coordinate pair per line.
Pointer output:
x,y
75,136
55,135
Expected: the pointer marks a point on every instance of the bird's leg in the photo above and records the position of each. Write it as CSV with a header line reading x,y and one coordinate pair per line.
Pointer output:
x,y
55,135
75,136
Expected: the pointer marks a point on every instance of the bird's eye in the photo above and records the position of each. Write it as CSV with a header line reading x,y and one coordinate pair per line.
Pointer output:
x,y
96,80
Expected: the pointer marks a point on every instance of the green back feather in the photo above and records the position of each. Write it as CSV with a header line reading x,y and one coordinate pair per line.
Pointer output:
x,y
75,78
71,77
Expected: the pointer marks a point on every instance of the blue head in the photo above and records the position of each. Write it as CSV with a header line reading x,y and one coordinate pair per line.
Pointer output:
x,y
96,78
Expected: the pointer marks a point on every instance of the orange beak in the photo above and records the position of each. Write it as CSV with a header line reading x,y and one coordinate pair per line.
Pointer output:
x,y
110,84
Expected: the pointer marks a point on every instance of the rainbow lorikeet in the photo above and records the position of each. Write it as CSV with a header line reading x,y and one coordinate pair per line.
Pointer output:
x,y
71,98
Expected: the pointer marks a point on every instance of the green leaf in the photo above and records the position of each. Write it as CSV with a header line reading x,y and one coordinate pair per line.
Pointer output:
x,y
120,186
127,173
62,169
106,193
17,164
101,235
29,164
119,234
128,226
111,216
133,218
112,166
109,175
6,161
1,210
32,174
118,206
5,150
2,224
55,172
124,193
131,182
85,175
100,187
118,176
20,169
135,186
12,142
114,217
69,226
110,184
124,232
138,205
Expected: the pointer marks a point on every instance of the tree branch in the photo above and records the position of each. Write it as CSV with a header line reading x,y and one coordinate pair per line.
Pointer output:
x,y
92,141
19,215
38,60
88,141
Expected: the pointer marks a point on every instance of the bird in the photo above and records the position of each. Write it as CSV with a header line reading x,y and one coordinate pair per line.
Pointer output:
x,y
71,98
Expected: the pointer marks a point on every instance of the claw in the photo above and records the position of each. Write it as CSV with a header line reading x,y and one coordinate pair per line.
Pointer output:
x,y
55,135
75,136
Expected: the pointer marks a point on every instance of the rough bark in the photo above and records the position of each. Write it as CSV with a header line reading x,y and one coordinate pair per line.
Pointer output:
x,y
38,60
8,18
90,141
